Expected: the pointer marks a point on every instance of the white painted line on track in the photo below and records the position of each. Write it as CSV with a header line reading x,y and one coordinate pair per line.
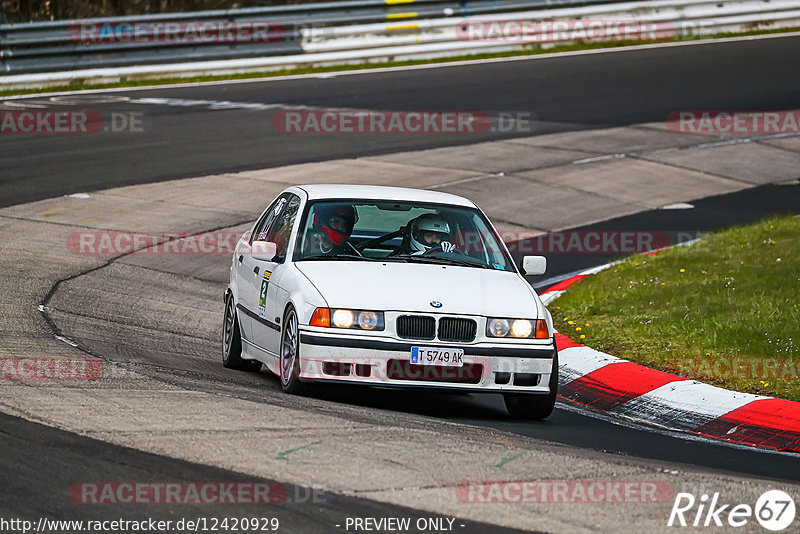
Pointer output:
x,y
597,158
677,206
67,341
712,144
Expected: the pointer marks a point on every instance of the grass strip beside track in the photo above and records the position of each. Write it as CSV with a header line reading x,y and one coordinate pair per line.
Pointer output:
x,y
725,310
533,50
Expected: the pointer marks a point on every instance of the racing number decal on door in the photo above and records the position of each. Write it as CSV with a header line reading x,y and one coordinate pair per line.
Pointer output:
x,y
262,296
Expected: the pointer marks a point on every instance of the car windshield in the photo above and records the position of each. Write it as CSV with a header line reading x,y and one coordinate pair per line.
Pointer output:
x,y
413,232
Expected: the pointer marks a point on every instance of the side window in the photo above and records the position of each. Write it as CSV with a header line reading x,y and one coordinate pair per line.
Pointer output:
x,y
260,230
279,229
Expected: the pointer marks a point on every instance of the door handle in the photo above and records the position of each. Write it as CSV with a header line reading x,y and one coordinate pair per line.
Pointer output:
x,y
255,269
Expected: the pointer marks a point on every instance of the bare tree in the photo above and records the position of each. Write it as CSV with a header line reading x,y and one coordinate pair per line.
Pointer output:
x,y
12,11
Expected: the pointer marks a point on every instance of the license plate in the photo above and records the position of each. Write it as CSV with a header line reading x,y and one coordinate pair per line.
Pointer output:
x,y
437,356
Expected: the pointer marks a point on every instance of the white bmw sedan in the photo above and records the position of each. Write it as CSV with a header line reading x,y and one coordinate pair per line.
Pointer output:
x,y
388,287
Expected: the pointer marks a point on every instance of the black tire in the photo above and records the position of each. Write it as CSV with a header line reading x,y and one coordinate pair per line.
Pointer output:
x,y
534,407
232,341
289,363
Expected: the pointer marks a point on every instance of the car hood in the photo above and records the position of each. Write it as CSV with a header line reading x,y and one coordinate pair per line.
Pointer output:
x,y
412,287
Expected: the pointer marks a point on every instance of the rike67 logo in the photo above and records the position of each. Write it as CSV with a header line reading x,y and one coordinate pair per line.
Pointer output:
x,y
774,510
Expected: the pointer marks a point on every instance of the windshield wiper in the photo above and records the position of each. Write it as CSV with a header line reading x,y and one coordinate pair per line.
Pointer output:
x,y
440,260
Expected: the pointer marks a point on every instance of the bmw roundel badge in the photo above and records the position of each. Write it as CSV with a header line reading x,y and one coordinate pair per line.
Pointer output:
x,y
436,304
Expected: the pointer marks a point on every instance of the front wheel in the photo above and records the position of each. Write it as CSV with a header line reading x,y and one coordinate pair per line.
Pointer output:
x,y
290,355
534,407
232,341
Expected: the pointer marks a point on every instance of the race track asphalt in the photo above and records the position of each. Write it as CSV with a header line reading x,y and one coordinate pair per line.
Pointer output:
x,y
566,93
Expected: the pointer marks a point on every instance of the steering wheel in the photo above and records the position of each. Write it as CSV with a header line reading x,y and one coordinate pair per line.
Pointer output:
x,y
441,248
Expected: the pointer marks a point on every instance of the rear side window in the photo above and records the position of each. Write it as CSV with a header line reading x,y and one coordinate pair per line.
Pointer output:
x,y
278,225
268,217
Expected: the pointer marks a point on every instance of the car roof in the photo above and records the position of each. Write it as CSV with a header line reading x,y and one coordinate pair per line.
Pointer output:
x,y
379,192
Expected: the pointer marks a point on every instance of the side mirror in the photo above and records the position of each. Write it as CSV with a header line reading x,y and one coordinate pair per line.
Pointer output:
x,y
264,250
534,265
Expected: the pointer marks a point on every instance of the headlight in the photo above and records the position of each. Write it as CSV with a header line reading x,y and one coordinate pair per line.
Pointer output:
x,y
517,328
497,328
367,320
344,318
521,328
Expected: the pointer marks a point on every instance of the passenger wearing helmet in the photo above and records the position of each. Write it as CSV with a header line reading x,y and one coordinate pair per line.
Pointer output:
x,y
427,234
331,227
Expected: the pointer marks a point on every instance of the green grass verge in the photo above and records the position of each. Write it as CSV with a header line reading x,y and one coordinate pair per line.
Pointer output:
x,y
725,310
534,50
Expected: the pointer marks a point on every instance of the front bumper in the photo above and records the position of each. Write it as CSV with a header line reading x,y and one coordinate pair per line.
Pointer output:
x,y
509,368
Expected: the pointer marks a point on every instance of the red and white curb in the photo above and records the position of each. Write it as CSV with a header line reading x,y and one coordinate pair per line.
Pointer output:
x,y
624,389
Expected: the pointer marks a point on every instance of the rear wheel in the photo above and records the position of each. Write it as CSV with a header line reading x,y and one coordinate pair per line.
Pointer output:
x,y
290,355
232,341
534,407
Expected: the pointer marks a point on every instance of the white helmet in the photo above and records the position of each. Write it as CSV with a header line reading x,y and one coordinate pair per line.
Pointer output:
x,y
424,224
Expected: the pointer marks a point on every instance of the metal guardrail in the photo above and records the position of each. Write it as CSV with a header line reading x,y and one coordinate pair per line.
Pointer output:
x,y
56,46
675,18
38,54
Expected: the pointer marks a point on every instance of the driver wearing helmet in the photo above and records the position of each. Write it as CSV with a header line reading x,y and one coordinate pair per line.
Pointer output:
x,y
427,234
331,228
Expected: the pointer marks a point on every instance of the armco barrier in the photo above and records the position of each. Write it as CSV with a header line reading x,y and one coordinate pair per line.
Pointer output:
x,y
51,46
670,17
53,53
